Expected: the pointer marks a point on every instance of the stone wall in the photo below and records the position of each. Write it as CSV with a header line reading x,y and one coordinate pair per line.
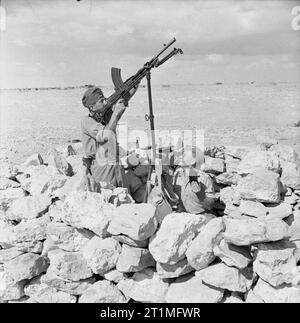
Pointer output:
x,y
61,243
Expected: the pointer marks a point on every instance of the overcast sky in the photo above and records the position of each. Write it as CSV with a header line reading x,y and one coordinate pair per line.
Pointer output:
x,y
69,42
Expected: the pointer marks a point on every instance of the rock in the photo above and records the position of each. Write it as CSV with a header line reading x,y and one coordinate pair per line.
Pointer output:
x,y
65,285
102,292
200,252
213,165
5,233
259,160
66,237
290,176
260,186
295,226
231,164
173,271
6,183
29,207
130,242
138,221
42,293
9,195
76,163
230,196
8,170
275,262
57,160
232,255
286,153
145,280
34,160
9,254
266,141
25,266
190,289
282,294
175,235
30,246
233,298
114,275
228,178
230,278
291,200
120,196
254,209
244,232
252,298
134,259
69,265
9,289
101,254
87,210
280,211
236,151
24,299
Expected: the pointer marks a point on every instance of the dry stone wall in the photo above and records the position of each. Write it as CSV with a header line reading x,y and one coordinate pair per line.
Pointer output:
x,y
60,243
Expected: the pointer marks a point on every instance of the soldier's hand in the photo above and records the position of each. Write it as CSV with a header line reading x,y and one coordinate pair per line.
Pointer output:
x,y
119,107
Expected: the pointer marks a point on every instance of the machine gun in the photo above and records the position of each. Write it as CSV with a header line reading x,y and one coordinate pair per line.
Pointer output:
x,y
122,89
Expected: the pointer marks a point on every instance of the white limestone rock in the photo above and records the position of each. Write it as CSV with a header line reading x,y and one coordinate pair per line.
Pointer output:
x,y
191,289
131,242
275,262
224,277
69,265
114,276
290,176
101,254
260,186
295,226
232,255
6,183
175,235
254,209
138,221
9,254
34,160
134,259
213,165
10,289
9,195
200,252
145,286
87,210
173,271
244,232
279,211
102,292
25,266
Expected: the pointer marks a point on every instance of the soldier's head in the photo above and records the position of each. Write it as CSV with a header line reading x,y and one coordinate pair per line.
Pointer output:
x,y
94,99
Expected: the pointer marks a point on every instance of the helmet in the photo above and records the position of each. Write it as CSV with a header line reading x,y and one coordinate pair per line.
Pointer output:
x,y
91,96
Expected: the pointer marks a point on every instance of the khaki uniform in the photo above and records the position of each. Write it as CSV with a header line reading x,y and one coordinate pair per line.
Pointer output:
x,y
100,145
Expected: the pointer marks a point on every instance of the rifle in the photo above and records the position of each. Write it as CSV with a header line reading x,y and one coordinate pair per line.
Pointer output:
x,y
122,89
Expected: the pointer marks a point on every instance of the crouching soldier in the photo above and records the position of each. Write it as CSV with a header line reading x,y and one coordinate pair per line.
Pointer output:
x,y
99,140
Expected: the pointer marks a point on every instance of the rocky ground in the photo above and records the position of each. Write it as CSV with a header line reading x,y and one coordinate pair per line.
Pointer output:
x,y
62,243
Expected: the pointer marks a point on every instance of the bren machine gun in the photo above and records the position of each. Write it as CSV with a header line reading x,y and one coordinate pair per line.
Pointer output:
x,y
122,91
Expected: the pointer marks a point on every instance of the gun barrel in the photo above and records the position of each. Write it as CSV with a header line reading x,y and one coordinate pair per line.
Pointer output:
x,y
166,46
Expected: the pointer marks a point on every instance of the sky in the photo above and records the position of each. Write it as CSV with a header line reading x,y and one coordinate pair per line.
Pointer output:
x,y
69,42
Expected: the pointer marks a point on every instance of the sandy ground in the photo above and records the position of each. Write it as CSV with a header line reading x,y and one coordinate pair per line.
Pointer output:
x,y
35,121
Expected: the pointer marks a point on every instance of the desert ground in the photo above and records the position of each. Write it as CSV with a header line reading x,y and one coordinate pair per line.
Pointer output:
x,y
36,120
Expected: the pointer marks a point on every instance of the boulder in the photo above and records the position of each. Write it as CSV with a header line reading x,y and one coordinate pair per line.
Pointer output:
x,y
260,186
200,252
87,210
65,285
30,246
25,266
228,178
145,286
114,276
232,255
230,196
138,221
175,235
24,299
290,176
66,237
282,294
134,259
9,195
266,141
101,254
130,242
286,153
69,265
57,160
295,226
8,170
251,208
120,196
237,152
9,254
173,271
252,298
34,160
29,207
230,278
244,232
279,211
275,262
191,289
102,292
231,163
9,288
6,183
213,165
233,298
259,160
